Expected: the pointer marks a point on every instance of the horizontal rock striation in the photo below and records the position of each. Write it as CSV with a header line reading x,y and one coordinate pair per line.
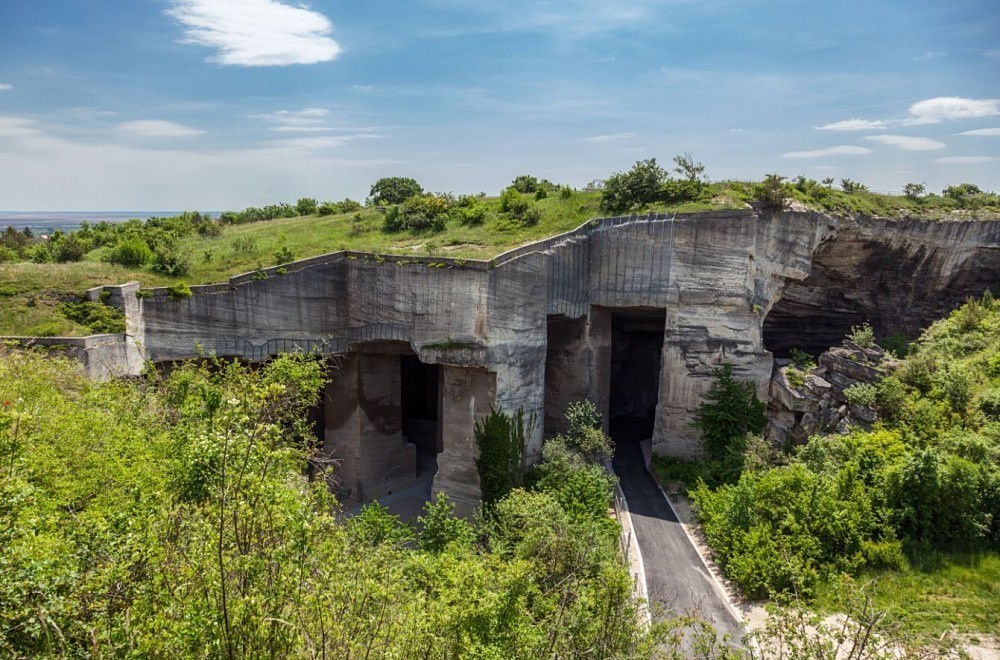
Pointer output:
x,y
534,328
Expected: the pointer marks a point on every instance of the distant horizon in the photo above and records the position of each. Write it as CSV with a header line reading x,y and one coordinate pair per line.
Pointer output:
x,y
219,103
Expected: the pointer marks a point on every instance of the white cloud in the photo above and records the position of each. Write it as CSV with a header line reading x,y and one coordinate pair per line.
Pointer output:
x,y
307,120
18,127
5,86
907,142
157,128
936,110
609,137
966,160
855,125
928,111
841,150
930,55
257,32
986,132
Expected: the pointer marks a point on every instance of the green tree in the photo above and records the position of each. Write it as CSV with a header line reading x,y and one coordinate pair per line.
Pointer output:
x,y
500,438
688,168
914,191
306,206
525,183
637,187
772,191
731,410
393,190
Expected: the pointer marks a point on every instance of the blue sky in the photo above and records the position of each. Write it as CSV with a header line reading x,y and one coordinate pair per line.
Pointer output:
x,y
222,104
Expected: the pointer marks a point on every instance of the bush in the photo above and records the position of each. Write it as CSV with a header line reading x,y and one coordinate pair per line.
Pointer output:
x,y
172,262
130,253
95,316
500,439
518,209
283,255
7,255
862,335
676,191
68,249
731,410
306,206
637,187
863,395
417,213
771,192
438,527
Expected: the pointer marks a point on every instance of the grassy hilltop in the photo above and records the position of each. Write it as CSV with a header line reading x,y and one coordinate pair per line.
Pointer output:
x,y
38,278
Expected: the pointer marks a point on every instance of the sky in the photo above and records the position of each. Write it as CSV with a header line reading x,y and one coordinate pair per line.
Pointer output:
x,y
224,104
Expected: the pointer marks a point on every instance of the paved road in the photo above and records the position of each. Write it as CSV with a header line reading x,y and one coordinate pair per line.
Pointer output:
x,y
676,577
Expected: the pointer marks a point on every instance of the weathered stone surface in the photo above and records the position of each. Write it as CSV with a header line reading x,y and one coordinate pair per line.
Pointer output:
x,y
731,286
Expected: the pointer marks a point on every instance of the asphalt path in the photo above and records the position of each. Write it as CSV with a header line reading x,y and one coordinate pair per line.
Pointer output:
x,y
677,579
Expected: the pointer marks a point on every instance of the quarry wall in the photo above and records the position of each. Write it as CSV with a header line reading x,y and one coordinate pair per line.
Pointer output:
x,y
538,326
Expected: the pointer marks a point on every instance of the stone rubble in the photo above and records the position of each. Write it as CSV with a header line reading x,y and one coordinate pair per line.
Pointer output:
x,y
818,405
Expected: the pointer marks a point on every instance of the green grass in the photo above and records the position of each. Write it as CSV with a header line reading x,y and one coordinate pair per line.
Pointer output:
x,y
940,592
30,292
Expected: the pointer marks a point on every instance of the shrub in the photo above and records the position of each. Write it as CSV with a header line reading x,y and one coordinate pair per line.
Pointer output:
x,y
306,206
8,255
954,385
989,404
438,527
244,245
637,187
417,213
676,191
517,208
862,335
68,249
803,360
130,253
731,410
500,439
771,192
890,397
178,291
95,316
861,394
525,183
585,433
172,262
283,255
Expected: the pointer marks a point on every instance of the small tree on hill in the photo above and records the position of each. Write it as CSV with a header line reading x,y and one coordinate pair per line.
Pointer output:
x,y
688,168
637,187
394,190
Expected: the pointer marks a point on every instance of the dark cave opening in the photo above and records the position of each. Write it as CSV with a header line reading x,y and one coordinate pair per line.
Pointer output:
x,y
636,352
420,404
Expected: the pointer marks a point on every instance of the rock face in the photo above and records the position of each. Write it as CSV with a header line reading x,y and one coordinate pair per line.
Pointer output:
x,y
899,276
805,402
576,316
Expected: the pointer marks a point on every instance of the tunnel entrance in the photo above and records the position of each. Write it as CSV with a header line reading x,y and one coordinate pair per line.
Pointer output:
x,y
636,355
420,405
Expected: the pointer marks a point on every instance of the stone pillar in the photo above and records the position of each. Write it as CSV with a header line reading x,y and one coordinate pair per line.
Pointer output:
x,y
363,427
465,396
598,361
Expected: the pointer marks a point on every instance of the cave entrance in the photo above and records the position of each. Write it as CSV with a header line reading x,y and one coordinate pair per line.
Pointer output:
x,y
421,414
636,355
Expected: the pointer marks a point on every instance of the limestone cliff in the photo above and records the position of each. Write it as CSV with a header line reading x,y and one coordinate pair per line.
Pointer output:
x,y
577,316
